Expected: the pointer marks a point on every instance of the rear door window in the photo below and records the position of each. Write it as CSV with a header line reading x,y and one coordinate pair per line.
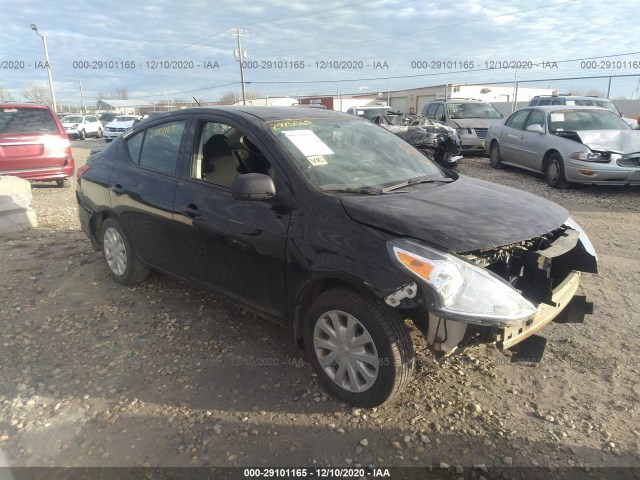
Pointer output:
x,y
517,119
157,147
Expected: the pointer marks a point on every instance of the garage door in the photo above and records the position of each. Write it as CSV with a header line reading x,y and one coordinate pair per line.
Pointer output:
x,y
422,101
399,104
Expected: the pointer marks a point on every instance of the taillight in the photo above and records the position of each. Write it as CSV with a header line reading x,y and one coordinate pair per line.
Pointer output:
x,y
82,170
68,157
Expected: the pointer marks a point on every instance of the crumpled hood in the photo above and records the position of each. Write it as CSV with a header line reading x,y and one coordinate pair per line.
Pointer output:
x,y
475,122
617,141
462,216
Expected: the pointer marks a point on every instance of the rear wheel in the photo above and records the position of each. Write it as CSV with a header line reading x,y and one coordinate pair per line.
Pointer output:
x,y
64,183
494,156
99,134
82,134
360,350
119,255
554,172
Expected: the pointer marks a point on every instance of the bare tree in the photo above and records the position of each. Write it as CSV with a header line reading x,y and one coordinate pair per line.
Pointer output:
x,y
5,95
229,97
37,94
122,94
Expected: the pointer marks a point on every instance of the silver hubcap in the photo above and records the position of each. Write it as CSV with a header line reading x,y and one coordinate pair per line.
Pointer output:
x,y
115,251
494,155
346,351
553,170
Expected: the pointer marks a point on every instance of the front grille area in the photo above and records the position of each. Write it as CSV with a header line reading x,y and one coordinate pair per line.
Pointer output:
x,y
629,161
481,132
117,130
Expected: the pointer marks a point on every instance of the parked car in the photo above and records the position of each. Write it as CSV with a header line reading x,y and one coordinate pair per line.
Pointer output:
x,y
582,101
82,126
335,228
568,144
370,112
118,126
106,117
438,142
33,144
148,115
470,117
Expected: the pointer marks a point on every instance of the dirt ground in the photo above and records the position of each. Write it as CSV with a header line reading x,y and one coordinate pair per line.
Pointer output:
x,y
164,374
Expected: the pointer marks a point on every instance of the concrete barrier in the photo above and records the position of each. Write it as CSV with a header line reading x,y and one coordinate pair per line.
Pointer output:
x,y
15,205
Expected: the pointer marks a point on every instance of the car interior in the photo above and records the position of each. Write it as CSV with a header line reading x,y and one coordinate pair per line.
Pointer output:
x,y
226,152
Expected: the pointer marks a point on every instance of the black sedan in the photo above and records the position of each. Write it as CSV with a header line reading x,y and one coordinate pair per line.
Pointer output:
x,y
336,228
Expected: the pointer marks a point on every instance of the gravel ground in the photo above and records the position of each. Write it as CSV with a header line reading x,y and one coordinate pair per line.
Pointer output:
x,y
164,374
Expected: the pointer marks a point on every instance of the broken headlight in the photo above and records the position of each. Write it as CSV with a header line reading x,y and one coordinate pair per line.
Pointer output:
x,y
463,291
602,157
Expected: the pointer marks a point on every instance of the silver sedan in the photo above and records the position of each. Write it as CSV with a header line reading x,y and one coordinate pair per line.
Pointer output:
x,y
568,144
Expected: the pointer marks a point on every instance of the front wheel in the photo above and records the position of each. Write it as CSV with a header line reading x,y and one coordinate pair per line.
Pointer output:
x,y
122,262
555,171
99,134
360,349
494,156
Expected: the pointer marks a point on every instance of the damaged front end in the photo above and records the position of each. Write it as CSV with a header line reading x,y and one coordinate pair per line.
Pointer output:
x,y
437,142
507,293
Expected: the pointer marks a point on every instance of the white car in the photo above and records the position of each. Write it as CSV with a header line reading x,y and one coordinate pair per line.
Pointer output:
x,y
118,126
82,126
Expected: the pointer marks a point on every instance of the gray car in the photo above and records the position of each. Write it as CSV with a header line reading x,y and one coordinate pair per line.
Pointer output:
x,y
568,144
471,118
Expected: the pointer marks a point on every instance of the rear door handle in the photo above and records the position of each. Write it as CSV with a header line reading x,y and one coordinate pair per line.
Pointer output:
x,y
117,189
191,211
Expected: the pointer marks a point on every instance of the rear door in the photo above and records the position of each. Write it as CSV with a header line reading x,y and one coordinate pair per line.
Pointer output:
x,y
510,137
234,247
143,185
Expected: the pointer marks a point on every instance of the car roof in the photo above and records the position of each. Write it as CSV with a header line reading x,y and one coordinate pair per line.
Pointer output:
x,y
458,100
551,108
23,105
572,97
253,113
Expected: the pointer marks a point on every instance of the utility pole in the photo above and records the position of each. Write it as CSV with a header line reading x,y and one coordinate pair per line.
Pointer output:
x,y
240,55
47,64
83,109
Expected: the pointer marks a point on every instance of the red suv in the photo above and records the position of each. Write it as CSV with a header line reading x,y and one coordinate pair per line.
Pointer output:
x,y
33,144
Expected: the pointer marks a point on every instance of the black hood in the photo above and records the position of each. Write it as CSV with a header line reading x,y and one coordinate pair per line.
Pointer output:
x,y
462,216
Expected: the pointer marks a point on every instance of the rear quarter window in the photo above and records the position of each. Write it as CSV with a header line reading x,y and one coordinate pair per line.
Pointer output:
x,y
27,120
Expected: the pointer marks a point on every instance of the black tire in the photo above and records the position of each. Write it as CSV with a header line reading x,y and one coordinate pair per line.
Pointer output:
x,y
494,156
99,134
389,343
82,134
554,172
107,140
64,183
119,256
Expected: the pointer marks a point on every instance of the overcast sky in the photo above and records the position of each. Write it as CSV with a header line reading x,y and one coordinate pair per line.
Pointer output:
x,y
340,43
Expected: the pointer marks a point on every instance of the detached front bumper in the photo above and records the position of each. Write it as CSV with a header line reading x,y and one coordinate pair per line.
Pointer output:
x,y
445,335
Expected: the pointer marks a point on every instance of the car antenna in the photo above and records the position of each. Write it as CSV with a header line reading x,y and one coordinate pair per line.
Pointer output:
x,y
194,99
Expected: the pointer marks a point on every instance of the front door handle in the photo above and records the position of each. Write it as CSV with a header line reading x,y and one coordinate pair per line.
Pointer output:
x,y
191,211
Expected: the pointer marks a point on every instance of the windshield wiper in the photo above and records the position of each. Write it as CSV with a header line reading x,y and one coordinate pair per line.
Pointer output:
x,y
415,181
361,191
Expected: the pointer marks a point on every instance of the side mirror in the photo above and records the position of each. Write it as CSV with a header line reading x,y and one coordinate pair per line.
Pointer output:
x,y
502,115
535,128
253,186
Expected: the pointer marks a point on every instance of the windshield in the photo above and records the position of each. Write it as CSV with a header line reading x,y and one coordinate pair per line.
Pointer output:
x,y
587,119
472,110
27,120
351,154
